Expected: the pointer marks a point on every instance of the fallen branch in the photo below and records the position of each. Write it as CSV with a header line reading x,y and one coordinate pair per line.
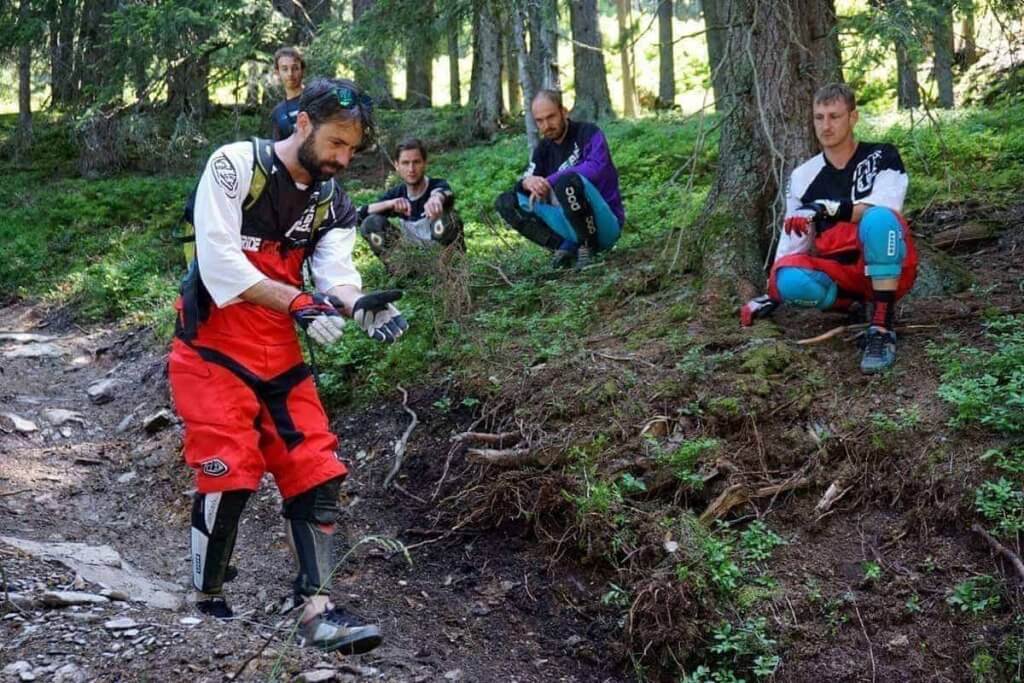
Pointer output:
x,y
505,457
1002,550
14,493
832,496
858,327
740,494
404,441
500,273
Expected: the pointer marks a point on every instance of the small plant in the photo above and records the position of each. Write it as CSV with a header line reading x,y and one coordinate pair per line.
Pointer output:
x,y
444,404
616,596
872,571
1001,502
758,541
975,595
683,460
1010,461
629,484
747,645
722,568
913,604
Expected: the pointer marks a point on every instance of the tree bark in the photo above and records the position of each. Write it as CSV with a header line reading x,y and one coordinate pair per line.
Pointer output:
x,y
943,37
768,79
24,131
510,62
454,82
188,87
519,19
486,87
419,59
630,106
62,53
716,20
93,69
306,16
591,81
969,47
543,16
666,58
825,42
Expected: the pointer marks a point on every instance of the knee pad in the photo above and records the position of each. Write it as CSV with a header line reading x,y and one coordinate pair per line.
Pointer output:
x,y
214,529
806,287
881,238
572,197
527,224
378,233
310,522
446,229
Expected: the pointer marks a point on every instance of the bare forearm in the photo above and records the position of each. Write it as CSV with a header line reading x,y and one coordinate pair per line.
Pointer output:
x,y
858,212
381,207
270,293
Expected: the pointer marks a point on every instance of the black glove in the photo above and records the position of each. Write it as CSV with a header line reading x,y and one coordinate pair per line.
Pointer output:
x,y
378,318
316,315
830,209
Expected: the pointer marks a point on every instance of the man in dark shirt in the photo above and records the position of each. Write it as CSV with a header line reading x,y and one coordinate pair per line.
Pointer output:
x,y
289,66
568,199
423,206
844,241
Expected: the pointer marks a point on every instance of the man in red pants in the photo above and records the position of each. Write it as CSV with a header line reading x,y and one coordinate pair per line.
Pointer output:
x,y
844,240
247,399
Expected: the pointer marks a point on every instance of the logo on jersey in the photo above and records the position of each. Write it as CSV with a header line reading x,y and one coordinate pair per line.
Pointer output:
x,y
215,467
573,159
250,243
864,174
224,174
302,228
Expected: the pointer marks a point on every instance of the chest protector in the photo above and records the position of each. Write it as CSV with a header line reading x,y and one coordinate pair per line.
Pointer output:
x,y
258,218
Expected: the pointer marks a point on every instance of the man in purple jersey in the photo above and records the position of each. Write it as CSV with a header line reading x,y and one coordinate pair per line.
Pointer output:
x,y
568,198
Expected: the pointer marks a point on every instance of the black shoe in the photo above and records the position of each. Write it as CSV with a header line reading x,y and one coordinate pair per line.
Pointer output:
x,y
338,630
562,259
879,350
215,606
584,257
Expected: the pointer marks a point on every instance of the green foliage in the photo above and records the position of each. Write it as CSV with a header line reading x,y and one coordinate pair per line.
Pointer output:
x,y
975,595
747,645
684,458
986,387
1001,503
872,571
758,542
1009,460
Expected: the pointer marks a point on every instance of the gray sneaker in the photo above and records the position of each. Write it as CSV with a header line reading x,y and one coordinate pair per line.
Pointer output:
x,y
338,630
562,259
879,350
584,258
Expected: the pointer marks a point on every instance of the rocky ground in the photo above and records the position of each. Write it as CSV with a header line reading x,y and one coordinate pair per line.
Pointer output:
x,y
94,503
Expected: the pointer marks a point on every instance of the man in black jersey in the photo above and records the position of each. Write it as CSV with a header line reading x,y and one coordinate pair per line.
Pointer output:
x,y
568,198
844,240
423,206
289,66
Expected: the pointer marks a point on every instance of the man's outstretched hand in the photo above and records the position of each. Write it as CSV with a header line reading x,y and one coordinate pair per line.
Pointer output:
x,y
316,314
758,307
377,316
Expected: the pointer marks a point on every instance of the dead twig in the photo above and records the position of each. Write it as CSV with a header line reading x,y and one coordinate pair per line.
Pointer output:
x,y
484,437
871,651
1013,557
14,493
403,442
504,457
253,656
501,273
625,359
402,489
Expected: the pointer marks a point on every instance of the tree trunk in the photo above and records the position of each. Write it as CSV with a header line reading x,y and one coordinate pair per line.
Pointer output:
x,y
306,16
825,43
519,20
943,37
666,58
419,59
24,132
454,83
591,81
769,79
371,65
511,62
252,85
187,87
907,94
969,47
716,21
93,63
544,43
486,87
630,106
62,53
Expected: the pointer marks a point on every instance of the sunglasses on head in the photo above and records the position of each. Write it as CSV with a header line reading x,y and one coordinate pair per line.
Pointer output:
x,y
346,97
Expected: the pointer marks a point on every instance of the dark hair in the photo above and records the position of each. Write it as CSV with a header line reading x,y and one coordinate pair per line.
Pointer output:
x,y
552,96
292,52
411,143
320,101
836,91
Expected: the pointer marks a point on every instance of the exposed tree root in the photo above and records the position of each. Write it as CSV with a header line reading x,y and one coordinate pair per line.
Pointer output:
x,y
484,437
401,444
504,457
740,494
1013,557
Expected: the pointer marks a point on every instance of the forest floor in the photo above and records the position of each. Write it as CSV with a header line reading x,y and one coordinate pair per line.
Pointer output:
x,y
512,573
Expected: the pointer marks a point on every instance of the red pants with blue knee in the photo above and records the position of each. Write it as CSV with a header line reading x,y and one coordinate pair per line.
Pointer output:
x,y
848,256
249,405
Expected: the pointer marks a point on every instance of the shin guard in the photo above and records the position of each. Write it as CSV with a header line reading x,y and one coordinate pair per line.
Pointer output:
x,y
310,523
214,528
572,197
527,224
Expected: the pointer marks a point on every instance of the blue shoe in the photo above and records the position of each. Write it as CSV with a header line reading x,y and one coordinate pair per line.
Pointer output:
x,y
879,350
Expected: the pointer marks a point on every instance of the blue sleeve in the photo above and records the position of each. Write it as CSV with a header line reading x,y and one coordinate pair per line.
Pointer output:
x,y
595,161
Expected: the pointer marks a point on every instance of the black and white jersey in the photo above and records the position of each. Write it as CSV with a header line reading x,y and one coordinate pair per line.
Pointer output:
x,y
874,175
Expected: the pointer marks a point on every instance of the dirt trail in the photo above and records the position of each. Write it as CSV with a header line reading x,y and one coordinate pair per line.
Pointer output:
x,y
471,607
